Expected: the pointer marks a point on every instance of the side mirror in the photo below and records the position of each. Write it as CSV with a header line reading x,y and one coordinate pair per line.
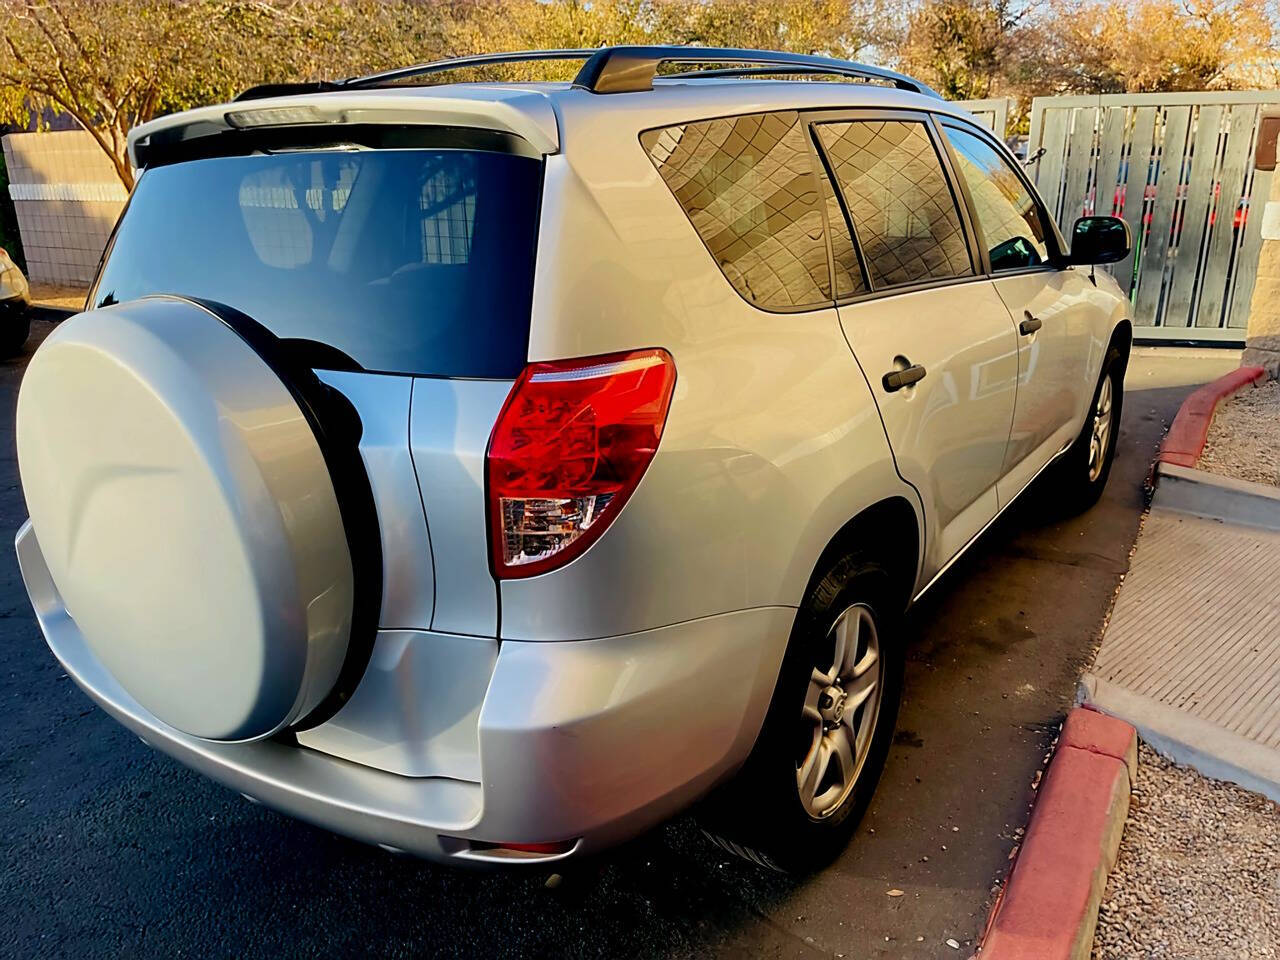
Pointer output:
x,y
1100,240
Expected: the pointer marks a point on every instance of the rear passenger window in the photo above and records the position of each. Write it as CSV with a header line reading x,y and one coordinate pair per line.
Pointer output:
x,y
849,279
903,212
747,185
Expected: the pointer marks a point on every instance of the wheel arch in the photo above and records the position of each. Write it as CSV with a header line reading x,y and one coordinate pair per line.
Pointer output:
x,y
891,528
1122,338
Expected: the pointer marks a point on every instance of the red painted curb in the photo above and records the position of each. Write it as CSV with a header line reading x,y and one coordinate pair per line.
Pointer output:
x,y
1096,732
1049,907
1184,442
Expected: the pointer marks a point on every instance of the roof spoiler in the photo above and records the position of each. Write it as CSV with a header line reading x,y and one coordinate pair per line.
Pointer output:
x,y
264,90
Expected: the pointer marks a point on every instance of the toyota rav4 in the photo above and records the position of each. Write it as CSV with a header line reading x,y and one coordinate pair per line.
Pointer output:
x,y
492,470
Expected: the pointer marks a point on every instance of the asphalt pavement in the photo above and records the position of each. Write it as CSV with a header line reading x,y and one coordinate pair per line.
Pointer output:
x,y
108,849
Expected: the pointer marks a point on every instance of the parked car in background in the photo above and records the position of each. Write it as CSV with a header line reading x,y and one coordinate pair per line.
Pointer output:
x,y
491,471
15,306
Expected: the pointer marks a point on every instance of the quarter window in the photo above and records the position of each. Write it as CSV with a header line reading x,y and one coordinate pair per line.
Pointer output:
x,y
747,185
903,211
1008,218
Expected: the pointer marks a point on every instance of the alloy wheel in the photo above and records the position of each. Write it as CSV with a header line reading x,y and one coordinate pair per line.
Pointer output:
x,y
1100,437
841,707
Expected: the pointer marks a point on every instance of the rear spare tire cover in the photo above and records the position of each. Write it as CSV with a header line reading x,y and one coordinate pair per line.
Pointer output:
x,y
184,508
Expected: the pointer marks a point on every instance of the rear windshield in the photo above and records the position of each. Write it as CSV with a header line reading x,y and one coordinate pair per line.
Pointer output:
x,y
409,261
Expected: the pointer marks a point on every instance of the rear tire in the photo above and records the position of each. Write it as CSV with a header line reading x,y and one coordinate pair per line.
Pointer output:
x,y
794,805
1079,478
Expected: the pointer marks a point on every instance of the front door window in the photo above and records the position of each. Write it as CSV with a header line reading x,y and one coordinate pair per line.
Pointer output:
x,y
1009,220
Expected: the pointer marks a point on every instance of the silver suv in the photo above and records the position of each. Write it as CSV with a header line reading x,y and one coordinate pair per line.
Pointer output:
x,y
492,470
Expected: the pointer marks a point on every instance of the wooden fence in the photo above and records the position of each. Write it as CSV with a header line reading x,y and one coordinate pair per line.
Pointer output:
x,y
1178,167
992,113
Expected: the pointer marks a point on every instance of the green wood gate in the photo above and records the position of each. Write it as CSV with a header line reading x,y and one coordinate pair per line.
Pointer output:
x,y
1178,167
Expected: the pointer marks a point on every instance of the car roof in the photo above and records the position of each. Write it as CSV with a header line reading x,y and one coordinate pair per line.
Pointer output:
x,y
682,100
540,112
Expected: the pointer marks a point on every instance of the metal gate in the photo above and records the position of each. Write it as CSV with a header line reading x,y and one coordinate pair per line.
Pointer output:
x,y
1178,167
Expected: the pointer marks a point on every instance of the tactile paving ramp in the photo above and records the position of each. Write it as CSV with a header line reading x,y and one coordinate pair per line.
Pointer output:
x,y
1197,625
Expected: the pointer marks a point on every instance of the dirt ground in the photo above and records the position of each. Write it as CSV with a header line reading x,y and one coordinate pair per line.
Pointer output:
x,y
58,297
1244,440
1198,876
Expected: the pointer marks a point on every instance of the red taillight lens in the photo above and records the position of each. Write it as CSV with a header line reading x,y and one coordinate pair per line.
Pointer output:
x,y
571,444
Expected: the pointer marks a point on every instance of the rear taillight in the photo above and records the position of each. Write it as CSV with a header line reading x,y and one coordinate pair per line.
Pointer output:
x,y
571,444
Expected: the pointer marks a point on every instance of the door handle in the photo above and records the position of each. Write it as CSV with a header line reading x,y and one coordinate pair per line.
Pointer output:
x,y
897,379
1030,324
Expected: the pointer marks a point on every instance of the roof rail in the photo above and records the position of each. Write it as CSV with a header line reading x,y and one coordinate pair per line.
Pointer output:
x,y
731,72
626,69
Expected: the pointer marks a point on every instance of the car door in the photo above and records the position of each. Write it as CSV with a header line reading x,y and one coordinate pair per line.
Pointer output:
x,y
1049,302
932,336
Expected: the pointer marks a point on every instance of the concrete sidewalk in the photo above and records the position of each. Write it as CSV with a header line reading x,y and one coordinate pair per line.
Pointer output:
x,y
1191,656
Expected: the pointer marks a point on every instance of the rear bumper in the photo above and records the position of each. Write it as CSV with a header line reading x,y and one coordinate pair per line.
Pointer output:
x,y
589,742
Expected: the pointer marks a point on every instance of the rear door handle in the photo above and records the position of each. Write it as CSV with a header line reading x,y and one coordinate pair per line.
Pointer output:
x,y
1030,324
897,379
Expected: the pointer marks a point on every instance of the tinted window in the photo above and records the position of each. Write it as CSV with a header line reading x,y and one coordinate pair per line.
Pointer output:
x,y
414,261
849,279
747,185
1008,218
904,215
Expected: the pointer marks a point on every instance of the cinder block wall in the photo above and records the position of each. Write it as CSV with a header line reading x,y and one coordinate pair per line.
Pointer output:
x,y
67,198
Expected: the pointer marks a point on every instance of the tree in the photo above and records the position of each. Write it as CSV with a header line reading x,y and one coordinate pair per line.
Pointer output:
x,y
831,27
964,48
844,28
75,58
1154,45
113,64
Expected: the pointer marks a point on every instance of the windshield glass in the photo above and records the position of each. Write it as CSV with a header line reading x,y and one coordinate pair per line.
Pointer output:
x,y
409,261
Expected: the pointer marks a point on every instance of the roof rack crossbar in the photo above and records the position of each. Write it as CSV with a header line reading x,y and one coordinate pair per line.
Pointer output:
x,y
628,69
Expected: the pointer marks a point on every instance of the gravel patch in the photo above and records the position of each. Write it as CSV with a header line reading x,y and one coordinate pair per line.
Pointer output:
x,y
1244,438
1198,877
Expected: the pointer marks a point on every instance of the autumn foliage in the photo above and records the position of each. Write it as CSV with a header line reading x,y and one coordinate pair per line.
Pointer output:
x,y
112,64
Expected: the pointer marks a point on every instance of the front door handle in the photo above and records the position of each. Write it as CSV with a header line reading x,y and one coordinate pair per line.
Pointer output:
x,y
897,379
1029,324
